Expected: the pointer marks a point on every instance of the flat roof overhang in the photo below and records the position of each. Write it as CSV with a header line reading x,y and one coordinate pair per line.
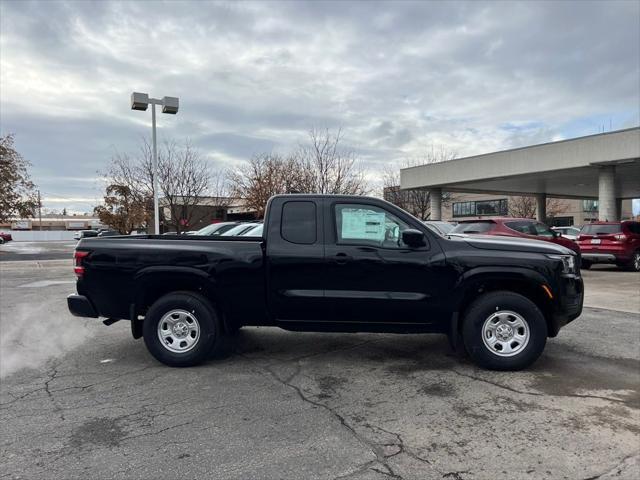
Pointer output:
x,y
566,169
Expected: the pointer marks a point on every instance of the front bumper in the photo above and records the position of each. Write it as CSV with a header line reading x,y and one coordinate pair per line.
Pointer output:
x,y
80,306
569,305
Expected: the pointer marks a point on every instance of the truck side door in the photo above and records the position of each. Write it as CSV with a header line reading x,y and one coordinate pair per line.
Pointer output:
x,y
372,276
295,260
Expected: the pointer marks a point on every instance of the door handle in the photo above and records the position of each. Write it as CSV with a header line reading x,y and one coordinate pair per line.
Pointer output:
x,y
341,258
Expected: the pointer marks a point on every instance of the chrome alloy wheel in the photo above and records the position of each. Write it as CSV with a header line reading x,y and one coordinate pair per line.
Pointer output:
x,y
178,331
505,333
636,261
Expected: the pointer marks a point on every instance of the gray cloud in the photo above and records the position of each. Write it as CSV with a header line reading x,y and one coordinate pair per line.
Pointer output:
x,y
255,76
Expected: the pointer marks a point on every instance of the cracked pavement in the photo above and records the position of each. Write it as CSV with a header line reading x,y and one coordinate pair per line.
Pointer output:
x,y
81,400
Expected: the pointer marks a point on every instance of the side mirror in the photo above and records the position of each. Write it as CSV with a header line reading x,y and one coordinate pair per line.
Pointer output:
x,y
413,238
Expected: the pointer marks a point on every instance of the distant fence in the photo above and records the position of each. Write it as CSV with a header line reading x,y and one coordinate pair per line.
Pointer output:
x,y
40,236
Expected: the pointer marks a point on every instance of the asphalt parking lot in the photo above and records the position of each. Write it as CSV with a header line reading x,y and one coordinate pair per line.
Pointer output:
x,y
81,400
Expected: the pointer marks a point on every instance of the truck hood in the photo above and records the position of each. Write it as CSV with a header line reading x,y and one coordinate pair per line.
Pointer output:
x,y
513,244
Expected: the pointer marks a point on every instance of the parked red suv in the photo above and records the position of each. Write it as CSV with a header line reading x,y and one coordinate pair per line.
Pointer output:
x,y
515,227
611,242
6,237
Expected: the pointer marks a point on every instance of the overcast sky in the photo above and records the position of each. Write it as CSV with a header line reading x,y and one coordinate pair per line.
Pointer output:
x,y
254,77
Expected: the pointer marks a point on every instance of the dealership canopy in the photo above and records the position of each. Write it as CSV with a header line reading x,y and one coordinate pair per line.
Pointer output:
x,y
605,166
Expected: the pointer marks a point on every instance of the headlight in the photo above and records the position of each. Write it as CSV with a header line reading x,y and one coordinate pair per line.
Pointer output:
x,y
568,262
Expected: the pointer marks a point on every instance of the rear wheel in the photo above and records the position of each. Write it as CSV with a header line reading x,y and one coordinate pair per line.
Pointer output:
x,y
181,329
634,265
504,331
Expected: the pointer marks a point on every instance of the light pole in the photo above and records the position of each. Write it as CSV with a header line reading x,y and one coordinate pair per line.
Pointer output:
x,y
140,101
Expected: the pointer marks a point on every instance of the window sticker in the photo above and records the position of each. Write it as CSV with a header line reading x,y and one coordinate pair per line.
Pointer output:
x,y
362,224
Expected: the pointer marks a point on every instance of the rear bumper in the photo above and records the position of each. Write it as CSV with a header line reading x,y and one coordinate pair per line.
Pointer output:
x,y
599,257
80,306
607,253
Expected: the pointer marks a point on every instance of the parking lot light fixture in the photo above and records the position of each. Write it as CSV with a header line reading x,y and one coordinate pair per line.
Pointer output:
x,y
141,101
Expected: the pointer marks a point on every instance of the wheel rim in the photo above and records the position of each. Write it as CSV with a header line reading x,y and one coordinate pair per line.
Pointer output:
x,y
636,261
505,333
179,331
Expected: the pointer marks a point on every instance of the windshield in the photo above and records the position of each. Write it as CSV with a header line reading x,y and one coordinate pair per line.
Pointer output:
x,y
254,232
601,229
238,229
216,228
472,227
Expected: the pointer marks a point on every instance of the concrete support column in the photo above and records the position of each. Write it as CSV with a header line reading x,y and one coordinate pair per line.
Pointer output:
x,y
607,194
435,198
619,208
541,207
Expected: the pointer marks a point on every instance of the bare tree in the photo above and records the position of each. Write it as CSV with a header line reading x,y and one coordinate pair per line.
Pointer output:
x,y
262,177
134,176
327,167
17,191
525,207
321,166
415,201
184,178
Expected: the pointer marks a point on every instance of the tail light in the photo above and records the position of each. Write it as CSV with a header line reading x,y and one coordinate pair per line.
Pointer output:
x,y
78,268
621,237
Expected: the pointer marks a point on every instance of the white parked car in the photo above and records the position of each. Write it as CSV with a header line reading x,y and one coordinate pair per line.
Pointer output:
x,y
240,229
255,231
572,233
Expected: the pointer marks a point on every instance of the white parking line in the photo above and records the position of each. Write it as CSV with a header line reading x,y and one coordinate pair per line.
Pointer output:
x,y
45,283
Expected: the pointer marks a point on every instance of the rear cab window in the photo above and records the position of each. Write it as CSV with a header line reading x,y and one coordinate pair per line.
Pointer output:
x,y
299,224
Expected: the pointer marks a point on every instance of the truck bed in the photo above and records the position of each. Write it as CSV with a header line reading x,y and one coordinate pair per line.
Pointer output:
x,y
123,274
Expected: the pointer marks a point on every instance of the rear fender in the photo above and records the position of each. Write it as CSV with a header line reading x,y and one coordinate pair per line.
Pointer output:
x,y
153,282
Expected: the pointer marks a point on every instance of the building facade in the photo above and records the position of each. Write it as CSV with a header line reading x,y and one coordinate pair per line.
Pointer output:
x,y
562,212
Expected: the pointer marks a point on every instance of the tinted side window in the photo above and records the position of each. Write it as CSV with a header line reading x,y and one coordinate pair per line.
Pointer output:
x,y
528,228
299,222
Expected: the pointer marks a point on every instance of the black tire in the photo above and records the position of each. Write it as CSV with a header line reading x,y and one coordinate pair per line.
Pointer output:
x,y
489,305
634,264
585,265
198,308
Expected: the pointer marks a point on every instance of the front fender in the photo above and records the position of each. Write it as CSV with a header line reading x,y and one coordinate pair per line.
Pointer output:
x,y
532,283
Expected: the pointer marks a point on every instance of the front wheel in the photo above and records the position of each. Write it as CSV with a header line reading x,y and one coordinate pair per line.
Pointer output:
x,y
181,329
504,331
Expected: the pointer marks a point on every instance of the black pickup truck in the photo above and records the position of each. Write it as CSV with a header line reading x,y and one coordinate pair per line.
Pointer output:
x,y
333,264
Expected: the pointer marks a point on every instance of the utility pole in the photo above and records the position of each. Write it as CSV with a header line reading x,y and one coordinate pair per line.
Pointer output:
x,y
39,212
